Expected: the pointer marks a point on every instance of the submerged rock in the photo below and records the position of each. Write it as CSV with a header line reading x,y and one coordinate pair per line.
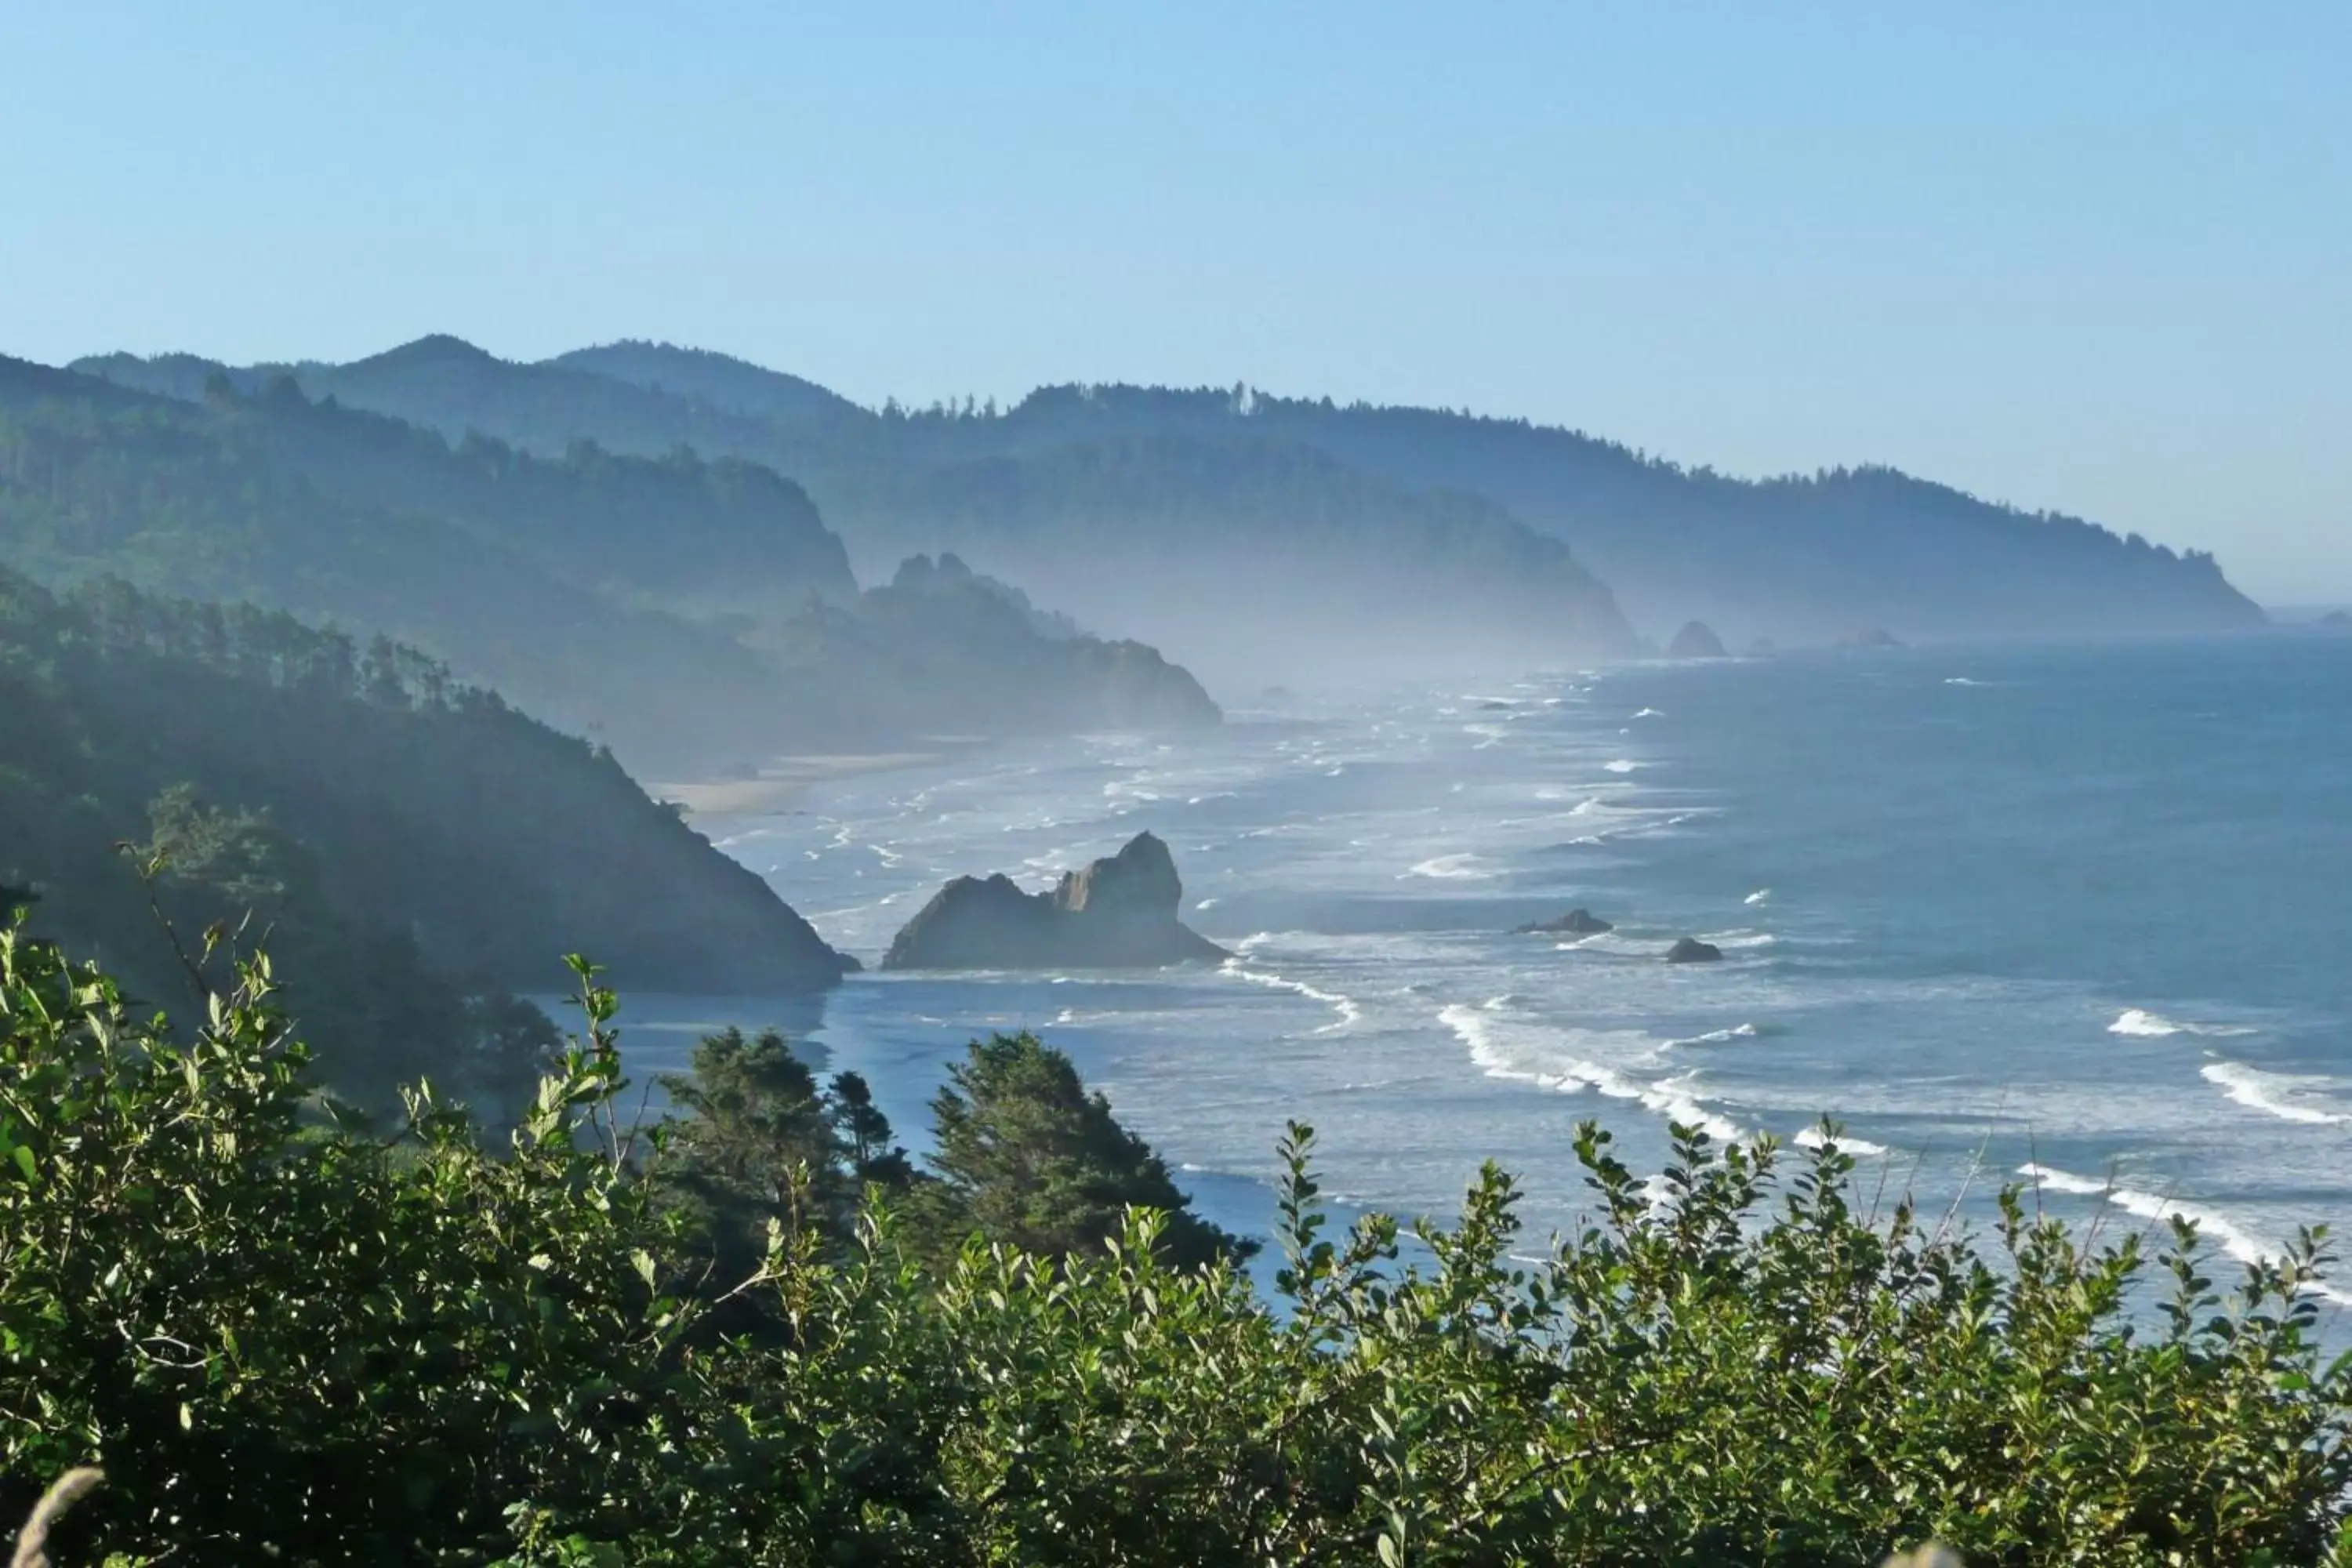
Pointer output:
x,y
1695,640
1689,950
1576,923
1120,912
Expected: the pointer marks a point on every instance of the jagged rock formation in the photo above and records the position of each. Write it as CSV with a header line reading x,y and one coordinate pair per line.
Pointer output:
x,y
1576,923
1690,950
1695,640
1120,912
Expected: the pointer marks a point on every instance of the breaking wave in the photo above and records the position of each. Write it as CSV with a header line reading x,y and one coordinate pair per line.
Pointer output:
x,y
2139,1022
2279,1094
2235,1240
1860,1148
1526,1054
1449,867
1347,1007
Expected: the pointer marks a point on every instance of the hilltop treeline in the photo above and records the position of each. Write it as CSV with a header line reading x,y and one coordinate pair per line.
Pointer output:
x,y
699,1345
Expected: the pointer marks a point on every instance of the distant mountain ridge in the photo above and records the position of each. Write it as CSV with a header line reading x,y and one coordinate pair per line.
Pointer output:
x,y
1232,523
1240,561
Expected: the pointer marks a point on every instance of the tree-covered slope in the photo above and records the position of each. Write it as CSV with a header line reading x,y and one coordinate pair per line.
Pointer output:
x,y
202,501
941,643
354,796
1245,559
1802,556
687,612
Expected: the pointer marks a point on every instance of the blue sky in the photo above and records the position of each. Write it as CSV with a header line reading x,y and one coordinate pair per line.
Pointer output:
x,y
2097,257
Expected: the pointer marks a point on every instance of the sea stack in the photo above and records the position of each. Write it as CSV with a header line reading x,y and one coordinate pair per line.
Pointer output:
x,y
1689,950
1117,913
1576,923
1695,640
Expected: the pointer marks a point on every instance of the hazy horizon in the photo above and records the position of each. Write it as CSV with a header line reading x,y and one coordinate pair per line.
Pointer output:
x,y
2090,263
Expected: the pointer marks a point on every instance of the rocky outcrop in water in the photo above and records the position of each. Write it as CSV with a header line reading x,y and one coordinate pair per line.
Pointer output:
x,y
1690,950
1576,923
1869,637
1120,912
1695,640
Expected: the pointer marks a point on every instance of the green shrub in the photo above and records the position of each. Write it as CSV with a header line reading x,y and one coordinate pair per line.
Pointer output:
x,y
284,1340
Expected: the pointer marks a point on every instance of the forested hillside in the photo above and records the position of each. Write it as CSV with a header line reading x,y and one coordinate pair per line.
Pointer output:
x,y
418,847
1084,490
1249,560
1806,557
652,603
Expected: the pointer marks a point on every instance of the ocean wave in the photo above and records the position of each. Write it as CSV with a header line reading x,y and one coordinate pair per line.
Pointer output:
x,y
1649,713
1761,896
1742,938
1449,867
2211,1224
2275,1092
1589,807
1622,765
1205,904
1960,681
1489,1036
1726,1037
1860,1148
2138,1021
1347,1007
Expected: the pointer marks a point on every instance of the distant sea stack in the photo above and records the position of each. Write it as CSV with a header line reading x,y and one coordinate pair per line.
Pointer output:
x,y
1695,640
1576,923
1690,950
1869,637
1117,913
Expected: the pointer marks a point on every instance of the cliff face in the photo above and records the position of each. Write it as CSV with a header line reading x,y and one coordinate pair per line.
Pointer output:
x,y
1119,912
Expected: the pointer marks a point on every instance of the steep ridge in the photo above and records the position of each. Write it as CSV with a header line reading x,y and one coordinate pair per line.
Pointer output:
x,y
336,792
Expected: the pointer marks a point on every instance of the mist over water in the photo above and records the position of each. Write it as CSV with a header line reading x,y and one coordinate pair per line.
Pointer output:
x,y
2072,911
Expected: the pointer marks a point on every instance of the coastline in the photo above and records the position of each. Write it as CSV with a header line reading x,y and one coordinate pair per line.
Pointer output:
x,y
780,784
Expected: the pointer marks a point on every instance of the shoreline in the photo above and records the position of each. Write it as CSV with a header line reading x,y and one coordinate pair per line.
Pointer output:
x,y
779,784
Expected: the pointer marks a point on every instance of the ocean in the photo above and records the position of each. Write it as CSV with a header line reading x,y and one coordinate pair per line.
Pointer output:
x,y
2070,912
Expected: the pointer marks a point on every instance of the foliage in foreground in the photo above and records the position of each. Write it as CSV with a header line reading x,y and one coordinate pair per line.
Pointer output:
x,y
292,1342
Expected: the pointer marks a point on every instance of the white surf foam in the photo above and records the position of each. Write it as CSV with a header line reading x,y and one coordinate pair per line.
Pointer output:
x,y
1622,765
2213,1225
1449,867
2282,1095
1722,1036
1761,896
1649,713
1960,681
1347,1008
1525,1052
1860,1148
2138,1021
